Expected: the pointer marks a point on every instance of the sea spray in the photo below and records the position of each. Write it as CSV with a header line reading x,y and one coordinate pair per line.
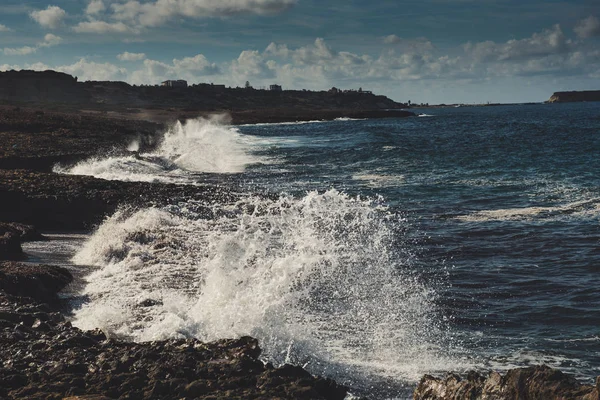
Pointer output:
x,y
197,145
321,281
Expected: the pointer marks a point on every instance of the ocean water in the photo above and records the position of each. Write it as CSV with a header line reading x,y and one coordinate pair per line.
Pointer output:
x,y
369,251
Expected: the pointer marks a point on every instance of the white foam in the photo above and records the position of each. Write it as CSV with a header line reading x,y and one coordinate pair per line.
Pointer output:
x,y
349,119
380,180
198,145
319,281
578,208
317,121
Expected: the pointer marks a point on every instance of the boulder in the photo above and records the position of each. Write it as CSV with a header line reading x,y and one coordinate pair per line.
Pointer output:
x,y
40,282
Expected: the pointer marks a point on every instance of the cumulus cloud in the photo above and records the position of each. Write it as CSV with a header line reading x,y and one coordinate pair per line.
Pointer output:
x,y
189,68
588,27
548,42
92,71
49,40
102,27
4,28
95,7
52,17
126,56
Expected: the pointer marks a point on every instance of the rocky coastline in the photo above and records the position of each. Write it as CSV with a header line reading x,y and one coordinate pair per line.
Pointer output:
x,y
45,357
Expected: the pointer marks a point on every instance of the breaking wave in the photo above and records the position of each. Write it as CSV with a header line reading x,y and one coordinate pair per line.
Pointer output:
x,y
320,281
198,145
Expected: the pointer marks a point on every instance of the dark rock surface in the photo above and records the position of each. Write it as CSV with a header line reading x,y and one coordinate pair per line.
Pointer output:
x,y
39,282
45,357
531,383
37,139
65,202
25,233
10,247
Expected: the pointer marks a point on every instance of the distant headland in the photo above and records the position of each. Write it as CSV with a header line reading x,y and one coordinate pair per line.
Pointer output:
x,y
569,97
178,100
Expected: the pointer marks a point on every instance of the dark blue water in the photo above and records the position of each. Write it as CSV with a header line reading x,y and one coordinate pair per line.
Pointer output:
x,y
503,207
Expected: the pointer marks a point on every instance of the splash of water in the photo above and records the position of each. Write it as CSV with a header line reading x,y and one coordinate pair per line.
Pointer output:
x,y
321,281
198,145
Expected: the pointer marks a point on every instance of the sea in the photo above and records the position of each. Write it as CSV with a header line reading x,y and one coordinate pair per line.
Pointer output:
x,y
369,251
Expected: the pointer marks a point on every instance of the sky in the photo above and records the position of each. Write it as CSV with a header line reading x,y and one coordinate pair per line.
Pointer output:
x,y
425,51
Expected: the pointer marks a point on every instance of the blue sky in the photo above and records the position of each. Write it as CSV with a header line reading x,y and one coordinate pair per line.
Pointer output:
x,y
433,51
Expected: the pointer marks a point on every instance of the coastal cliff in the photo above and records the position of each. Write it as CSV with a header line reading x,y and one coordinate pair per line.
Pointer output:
x,y
570,97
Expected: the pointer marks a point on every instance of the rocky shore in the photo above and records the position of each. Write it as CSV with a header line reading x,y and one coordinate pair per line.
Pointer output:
x,y
44,357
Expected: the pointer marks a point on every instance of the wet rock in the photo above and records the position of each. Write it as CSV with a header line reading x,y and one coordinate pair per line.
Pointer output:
x,y
531,383
10,247
40,282
25,233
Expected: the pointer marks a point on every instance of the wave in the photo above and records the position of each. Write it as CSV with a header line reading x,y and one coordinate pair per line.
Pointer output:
x,y
425,115
578,208
379,180
198,145
321,281
349,119
287,123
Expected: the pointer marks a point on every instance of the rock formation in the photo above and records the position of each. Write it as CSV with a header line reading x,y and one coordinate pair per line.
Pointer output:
x,y
567,97
532,383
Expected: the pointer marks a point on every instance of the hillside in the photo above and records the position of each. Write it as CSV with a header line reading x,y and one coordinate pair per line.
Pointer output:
x,y
59,88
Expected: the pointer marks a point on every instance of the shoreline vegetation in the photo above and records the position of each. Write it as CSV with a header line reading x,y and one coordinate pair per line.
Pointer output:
x,y
44,357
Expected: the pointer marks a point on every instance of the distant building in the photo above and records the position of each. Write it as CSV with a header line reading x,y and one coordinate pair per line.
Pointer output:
x,y
275,88
175,84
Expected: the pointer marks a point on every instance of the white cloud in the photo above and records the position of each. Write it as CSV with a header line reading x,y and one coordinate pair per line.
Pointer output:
x,y
20,51
4,28
588,27
92,71
51,17
126,56
250,65
548,42
193,69
49,40
95,7
160,11
102,27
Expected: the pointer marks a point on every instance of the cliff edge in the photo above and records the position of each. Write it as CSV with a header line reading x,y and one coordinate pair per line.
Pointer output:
x,y
569,97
